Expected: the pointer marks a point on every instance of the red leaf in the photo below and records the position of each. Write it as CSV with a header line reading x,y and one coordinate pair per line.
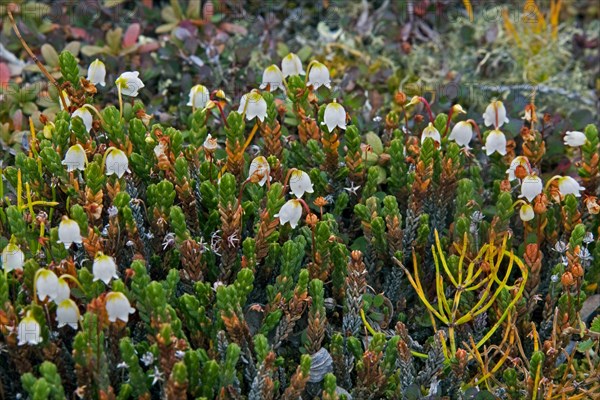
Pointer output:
x,y
4,75
131,35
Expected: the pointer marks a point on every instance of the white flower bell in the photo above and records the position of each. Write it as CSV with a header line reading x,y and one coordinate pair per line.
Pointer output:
x,y
97,73
318,75
13,258
531,187
253,105
575,138
519,161
462,133
129,83
335,115
273,78
291,65
67,313
75,158
210,143
86,116
46,284
69,232
431,132
259,171
104,268
300,183
116,162
199,96
526,213
118,307
495,142
495,114
63,292
568,185
290,212
29,330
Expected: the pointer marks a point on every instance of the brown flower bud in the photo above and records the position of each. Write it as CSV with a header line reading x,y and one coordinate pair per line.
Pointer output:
x,y
592,205
540,204
577,270
419,118
505,186
567,279
521,172
400,97
320,201
311,219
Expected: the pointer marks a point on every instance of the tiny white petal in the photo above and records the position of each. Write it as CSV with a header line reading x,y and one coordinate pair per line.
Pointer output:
x,y
210,143
63,292
291,65
118,307
531,187
575,138
13,258
116,162
495,142
431,132
129,83
97,73
290,212
335,115
75,158
85,115
300,183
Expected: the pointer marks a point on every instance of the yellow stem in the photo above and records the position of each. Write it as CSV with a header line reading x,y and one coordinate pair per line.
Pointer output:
x,y
120,101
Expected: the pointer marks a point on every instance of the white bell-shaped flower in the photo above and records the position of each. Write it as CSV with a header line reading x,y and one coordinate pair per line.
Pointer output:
x,y
67,313
568,185
97,73
210,143
199,96
318,75
118,307
253,105
63,292
29,330
273,78
462,133
291,65
431,132
495,114
85,115
526,213
104,268
575,138
116,162
13,258
46,284
495,142
69,232
259,171
519,161
129,83
335,115
300,183
531,187
75,158
290,212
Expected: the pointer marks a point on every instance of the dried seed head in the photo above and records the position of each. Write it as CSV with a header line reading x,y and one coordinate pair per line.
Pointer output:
x,y
521,172
577,270
505,185
567,279
320,201
540,204
311,219
400,97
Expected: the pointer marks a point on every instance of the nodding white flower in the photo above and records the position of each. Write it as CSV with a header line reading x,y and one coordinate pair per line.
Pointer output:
x,y
85,115
46,284
495,142
291,65
68,232
12,258
116,162
97,73
495,114
568,185
104,268
129,83
160,149
67,100
253,105
318,75
29,330
519,161
526,213
462,133
199,96
290,212
75,158
272,77
575,138
118,307
431,132
259,171
210,143
67,313
335,115
300,183
63,292
531,187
